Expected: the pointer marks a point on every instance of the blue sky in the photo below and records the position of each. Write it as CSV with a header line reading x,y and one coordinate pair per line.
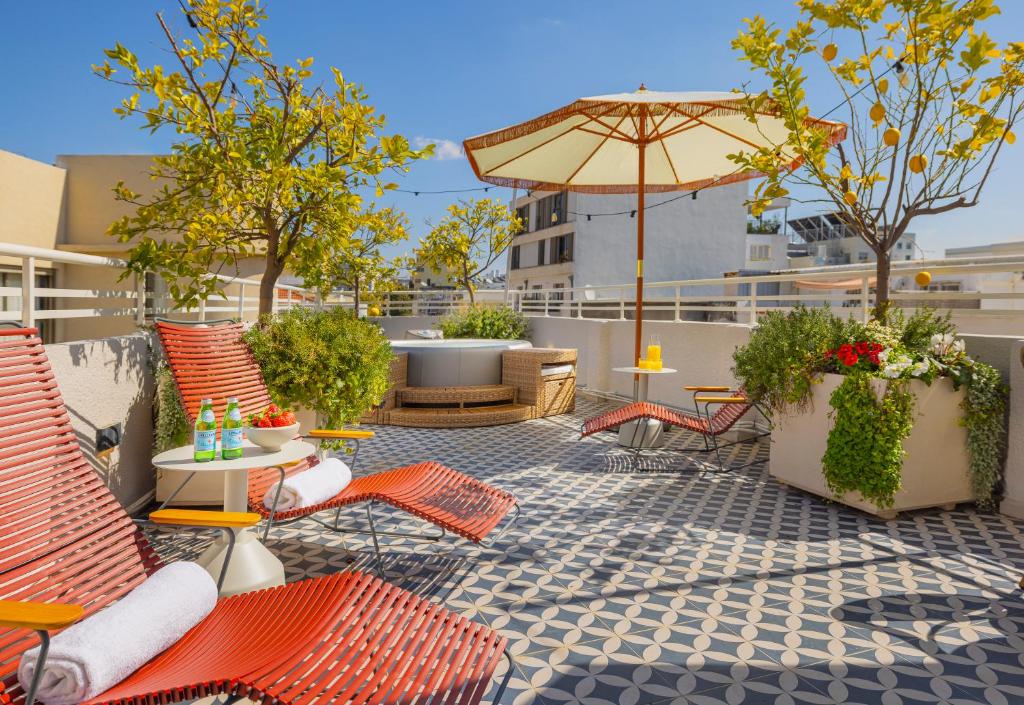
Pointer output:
x,y
440,70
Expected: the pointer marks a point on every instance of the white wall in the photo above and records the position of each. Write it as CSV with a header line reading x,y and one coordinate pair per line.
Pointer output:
x,y
106,382
685,239
701,352
1013,495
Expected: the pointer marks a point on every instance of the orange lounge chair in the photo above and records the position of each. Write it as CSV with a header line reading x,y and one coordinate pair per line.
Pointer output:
x,y
731,405
213,361
68,549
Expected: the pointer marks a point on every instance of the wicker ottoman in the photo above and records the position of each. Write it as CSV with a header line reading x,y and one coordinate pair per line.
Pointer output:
x,y
544,378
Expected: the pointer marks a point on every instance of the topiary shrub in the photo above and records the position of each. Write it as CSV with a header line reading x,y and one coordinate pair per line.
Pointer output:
x,y
502,323
327,361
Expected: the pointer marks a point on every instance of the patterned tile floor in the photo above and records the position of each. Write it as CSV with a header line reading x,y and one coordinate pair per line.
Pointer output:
x,y
641,581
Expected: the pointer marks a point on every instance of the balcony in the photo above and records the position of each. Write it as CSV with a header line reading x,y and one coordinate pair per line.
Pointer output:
x,y
646,579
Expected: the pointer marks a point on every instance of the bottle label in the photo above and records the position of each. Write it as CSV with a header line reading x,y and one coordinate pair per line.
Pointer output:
x,y
235,414
206,416
205,441
231,438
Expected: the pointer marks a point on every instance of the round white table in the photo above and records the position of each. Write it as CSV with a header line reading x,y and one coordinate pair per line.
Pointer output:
x,y
252,566
642,433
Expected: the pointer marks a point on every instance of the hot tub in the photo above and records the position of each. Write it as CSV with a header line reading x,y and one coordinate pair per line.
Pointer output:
x,y
457,362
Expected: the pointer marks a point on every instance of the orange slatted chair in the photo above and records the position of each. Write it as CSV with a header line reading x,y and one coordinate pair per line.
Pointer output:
x,y
213,361
731,405
68,549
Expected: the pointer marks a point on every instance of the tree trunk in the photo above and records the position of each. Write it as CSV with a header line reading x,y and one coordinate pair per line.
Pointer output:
x,y
882,270
355,295
268,285
469,287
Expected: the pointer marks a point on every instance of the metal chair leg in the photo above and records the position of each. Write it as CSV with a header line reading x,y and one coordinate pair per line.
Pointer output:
x,y
508,676
37,676
228,534
373,534
508,525
273,507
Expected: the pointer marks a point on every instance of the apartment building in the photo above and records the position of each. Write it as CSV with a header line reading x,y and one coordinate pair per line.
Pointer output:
x,y
571,241
68,205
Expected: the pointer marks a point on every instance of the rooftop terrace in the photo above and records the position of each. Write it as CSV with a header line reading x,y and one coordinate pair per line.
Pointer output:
x,y
654,580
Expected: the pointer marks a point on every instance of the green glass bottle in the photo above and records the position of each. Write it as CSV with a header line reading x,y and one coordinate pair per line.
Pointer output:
x,y
231,431
205,438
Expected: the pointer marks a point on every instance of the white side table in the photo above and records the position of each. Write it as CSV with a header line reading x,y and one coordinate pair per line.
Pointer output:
x,y
252,566
642,433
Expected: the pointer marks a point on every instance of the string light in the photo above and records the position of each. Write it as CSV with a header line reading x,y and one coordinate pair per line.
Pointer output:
x,y
897,66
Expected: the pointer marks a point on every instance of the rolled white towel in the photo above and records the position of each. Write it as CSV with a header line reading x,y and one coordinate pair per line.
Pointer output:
x,y
102,650
310,487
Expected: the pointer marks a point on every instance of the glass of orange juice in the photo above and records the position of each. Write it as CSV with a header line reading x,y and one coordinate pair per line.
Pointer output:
x,y
654,349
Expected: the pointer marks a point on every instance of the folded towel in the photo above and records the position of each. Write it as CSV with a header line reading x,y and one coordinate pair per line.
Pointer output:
x,y
102,650
310,487
549,370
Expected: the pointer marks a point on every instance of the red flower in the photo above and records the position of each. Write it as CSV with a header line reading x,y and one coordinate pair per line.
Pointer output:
x,y
877,348
845,350
862,348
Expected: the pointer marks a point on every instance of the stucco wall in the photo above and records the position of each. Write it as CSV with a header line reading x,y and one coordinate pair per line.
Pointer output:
x,y
31,197
1013,494
686,239
106,382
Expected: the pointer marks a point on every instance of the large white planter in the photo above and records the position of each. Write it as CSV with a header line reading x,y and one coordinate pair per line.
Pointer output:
x,y
936,466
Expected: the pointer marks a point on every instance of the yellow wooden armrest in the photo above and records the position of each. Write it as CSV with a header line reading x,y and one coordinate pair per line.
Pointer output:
x,y
202,517
40,616
722,400
700,388
342,433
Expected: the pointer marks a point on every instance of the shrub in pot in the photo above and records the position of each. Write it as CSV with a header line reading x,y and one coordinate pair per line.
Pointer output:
x,y
876,378
328,361
502,323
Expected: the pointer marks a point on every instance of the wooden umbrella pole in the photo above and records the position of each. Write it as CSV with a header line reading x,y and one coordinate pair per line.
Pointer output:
x,y
638,322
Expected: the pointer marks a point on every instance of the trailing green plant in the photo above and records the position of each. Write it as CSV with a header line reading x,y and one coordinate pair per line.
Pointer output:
x,y
327,361
170,424
984,407
786,352
501,323
865,446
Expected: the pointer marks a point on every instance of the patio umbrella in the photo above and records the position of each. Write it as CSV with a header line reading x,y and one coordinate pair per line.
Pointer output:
x,y
647,141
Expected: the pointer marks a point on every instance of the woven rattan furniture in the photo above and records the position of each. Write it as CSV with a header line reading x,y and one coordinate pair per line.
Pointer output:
x,y
68,549
547,394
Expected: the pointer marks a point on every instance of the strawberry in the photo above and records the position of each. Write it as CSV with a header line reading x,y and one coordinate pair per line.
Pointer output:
x,y
263,423
279,420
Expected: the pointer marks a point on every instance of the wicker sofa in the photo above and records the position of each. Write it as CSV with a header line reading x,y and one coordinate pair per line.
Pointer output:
x,y
544,378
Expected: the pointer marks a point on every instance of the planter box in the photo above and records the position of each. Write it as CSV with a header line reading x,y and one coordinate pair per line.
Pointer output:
x,y
936,466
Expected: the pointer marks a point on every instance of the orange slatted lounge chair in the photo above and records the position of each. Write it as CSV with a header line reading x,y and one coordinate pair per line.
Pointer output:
x,y
731,405
212,360
68,549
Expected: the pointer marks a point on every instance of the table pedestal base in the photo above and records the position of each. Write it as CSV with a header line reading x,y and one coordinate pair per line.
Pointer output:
x,y
642,433
252,566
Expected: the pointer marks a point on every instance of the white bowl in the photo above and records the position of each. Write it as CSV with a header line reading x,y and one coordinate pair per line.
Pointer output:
x,y
271,439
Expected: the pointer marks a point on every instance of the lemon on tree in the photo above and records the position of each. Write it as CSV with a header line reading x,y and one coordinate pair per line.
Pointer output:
x,y
829,52
850,197
877,112
891,137
923,279
918,163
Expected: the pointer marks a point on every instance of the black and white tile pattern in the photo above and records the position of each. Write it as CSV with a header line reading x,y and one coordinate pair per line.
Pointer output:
x,y
647,580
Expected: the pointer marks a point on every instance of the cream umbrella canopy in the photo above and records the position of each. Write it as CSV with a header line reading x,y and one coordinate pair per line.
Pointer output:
x,y
647,141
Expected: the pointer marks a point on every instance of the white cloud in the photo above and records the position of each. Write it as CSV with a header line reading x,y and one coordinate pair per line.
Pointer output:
x,y
443,149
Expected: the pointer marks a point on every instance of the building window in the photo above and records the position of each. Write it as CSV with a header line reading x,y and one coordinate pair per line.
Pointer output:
x,y
862,256
515,257
524,215
550,210
44,280
760,253
558,295
561,249
540,253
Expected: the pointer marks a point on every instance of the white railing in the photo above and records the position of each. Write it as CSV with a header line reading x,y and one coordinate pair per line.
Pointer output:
x,y
23,302
739,299
742,299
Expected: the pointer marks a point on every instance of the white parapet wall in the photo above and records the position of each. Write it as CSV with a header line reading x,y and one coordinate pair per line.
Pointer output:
x,y
104,383
1013,494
